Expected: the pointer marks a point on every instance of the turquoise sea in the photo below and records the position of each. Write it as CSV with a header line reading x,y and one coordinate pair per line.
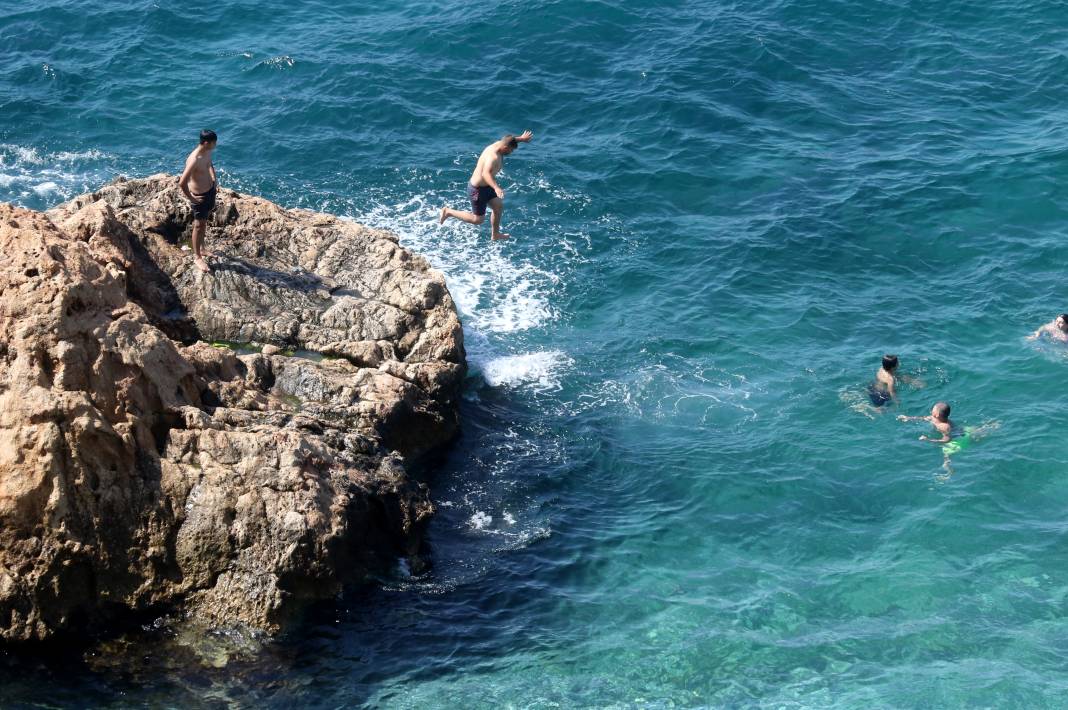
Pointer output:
x,y
668,492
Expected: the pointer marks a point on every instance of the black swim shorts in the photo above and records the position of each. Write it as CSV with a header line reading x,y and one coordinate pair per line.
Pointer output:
x,y
878,397
207,203
480,197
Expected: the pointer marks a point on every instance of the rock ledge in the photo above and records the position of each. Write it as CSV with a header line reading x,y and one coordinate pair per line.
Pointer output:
x,y
145,470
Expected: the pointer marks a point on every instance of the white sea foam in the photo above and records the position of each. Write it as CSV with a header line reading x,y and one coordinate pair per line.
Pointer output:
x,y
676,388
280,62
73,156
480,520
46,188
495,291
27,173
16,155
540,369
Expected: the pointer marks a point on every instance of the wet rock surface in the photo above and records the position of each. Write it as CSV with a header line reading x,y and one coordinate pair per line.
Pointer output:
x,y
144,470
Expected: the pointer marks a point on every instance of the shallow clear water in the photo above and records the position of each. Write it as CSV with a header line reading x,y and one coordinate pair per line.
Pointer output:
x,y
667,492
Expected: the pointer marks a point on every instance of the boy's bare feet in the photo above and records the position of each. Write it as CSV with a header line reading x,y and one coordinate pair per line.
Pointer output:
x,y
444,215
201,264
499,236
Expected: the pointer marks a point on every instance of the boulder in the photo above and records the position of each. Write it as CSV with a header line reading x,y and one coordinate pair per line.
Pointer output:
x,y
223,447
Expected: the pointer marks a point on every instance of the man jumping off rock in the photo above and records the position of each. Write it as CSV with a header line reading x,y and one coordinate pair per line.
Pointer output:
x,y
483,189
199,185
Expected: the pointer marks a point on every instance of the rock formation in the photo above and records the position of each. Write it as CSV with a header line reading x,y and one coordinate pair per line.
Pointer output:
x,y
146,468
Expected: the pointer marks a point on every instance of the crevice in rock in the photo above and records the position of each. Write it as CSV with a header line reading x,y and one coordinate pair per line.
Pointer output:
x,y
172,228
162,424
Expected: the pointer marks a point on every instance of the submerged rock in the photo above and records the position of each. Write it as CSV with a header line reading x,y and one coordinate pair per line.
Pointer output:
x,y
144,470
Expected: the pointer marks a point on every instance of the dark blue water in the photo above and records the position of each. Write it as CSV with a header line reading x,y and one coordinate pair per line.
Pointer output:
x,y
669,491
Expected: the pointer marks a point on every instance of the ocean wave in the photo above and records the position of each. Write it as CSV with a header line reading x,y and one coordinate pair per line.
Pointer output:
x,y
279,63
496,292
676,388
541,370
37,178
46,188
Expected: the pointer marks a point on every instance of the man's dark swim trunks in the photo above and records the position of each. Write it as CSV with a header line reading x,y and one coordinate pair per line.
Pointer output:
x,y
480,197
207,202
877,396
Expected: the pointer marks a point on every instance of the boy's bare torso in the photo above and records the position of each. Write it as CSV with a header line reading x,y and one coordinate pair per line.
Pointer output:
x,y
202,175
488,160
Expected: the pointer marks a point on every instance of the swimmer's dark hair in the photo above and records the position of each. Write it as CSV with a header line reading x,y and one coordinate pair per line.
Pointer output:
x,y
942,409
207,136
1063,315
510,141
889,362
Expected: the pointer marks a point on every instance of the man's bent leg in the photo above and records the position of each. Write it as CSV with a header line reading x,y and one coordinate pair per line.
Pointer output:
x,y
469,217
497,206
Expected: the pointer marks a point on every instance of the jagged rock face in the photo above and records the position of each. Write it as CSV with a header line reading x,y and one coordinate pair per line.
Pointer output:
x,y
142,469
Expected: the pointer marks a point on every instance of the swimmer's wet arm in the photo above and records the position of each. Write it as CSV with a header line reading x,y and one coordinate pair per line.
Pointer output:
x,y
905,418
1038,333
526,137
946,438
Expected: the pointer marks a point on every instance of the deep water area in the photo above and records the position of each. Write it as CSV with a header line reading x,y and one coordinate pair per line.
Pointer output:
x,y
670,489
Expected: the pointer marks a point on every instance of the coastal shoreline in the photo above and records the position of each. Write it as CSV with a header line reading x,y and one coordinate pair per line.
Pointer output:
x,y
224,448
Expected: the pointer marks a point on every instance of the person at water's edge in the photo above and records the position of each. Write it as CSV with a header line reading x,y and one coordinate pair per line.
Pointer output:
x,y
483,189
200,186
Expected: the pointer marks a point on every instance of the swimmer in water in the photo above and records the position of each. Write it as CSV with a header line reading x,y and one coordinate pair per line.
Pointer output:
x,y
482,188
199,185
1056,329
939,419
882,390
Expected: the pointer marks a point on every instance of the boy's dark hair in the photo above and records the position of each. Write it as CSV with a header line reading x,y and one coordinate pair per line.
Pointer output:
x,y
207,136
509,141
889,362
1064,316
943,410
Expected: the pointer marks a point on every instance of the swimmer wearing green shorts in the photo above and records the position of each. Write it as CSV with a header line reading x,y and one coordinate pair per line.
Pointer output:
x,y
960,443
939,419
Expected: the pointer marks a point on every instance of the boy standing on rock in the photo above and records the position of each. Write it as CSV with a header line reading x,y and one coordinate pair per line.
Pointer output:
x,y
199,185
483,189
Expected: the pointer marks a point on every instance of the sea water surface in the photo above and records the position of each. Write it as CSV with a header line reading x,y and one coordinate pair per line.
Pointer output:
x,y
668,491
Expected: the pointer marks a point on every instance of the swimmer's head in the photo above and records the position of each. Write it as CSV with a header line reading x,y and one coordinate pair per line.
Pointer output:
x,y
208,137
1061,322
510,143
940,411
889,362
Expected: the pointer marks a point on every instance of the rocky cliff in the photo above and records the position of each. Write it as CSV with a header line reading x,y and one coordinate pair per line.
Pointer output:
x,y
227,446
